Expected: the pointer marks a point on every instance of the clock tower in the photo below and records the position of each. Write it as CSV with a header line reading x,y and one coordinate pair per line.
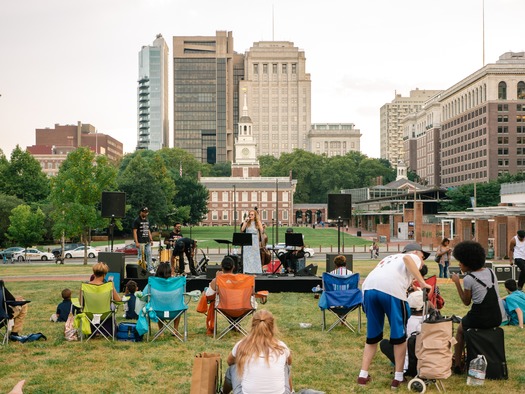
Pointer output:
x,y
246,163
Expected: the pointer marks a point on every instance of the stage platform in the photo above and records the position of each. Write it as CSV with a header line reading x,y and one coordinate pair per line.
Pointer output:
x,y
272,283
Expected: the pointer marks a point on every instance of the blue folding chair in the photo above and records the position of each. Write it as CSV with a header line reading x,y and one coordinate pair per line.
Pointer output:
x,y
341,295
166,304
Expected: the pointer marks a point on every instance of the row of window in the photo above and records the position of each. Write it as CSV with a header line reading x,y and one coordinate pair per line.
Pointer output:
x,y
464,118
252,197
505,140
463,158
464,177
225,214
461,139
502,90
274,67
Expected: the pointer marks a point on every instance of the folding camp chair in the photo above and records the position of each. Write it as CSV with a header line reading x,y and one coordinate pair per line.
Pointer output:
x,y
98,311
341,296
235,301
167,303
7,302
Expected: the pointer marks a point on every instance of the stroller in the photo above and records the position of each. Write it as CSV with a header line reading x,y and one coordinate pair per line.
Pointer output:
x,y
434,349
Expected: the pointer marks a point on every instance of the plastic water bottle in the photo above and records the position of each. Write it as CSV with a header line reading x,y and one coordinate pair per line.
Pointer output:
x,y
476,371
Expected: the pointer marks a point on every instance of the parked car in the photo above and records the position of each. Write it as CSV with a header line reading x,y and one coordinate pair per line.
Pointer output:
x,y
8,253
308,252
32,254
58,251
79,252
128,249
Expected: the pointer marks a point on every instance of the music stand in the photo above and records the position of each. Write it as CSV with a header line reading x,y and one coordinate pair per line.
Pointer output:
x,y
242,239
224,241
294,239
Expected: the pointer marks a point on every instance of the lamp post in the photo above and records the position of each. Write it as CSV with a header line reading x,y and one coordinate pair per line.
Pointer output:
x,y
234,210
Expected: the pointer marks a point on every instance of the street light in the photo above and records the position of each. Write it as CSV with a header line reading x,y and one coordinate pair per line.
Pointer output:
x,y
234,210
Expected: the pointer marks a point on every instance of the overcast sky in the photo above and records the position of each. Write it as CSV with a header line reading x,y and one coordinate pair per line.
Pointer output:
x,y
63,61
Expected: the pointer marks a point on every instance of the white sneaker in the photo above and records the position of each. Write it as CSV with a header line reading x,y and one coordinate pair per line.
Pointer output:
x,y
152,271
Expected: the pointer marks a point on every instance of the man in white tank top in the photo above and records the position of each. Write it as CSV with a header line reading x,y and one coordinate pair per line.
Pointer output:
x,y
517,255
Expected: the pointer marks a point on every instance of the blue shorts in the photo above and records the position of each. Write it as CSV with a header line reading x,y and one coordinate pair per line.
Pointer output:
x,y
378,304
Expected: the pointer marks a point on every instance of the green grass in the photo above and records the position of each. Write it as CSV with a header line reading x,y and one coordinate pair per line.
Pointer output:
x,y
324,361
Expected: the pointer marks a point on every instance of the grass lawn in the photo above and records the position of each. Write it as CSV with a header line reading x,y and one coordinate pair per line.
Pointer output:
x,y
323,361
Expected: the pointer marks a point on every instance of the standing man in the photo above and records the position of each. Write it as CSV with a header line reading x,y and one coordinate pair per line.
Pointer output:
x,y
517,255
385,293
142,237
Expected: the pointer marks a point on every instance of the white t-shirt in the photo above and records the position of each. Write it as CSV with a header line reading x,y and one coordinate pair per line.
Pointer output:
x,y
391,275
519,249
413,325
259,377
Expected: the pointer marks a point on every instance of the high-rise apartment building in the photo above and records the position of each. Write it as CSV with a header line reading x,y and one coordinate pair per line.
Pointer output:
x,y
206,74
391,128
279,96
152,96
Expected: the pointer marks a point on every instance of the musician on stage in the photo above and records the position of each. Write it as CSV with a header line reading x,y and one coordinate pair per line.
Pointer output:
x,y
170,240
290,258
185,246
250,253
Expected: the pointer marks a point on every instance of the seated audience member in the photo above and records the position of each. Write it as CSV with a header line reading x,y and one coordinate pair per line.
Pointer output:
x,y
18,313
227,266
259,363
129,306
480,287
64,308
436,302
514,304
340,266
415,302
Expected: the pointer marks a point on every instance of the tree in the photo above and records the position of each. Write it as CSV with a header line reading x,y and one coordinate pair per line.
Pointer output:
x,y
461,197
27,227
147,182
24,178
193,195
7,204
76,193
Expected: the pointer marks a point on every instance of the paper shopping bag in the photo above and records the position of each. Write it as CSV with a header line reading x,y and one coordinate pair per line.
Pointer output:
x,y
206,374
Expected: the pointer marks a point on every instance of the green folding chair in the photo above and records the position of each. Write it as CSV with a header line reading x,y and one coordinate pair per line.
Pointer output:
x,y
98,311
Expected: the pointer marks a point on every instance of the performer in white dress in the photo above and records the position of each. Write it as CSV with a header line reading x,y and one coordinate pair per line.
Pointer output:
x,y
250,254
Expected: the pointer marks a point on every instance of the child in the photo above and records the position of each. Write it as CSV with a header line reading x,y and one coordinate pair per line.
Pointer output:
x,y
514,304
64,307
129,306
480,287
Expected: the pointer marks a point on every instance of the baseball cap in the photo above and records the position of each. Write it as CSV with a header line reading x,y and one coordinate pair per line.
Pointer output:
x,y
413,247
415,300
144,209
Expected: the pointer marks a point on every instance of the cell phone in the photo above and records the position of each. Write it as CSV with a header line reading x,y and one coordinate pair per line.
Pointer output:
x,y
110,278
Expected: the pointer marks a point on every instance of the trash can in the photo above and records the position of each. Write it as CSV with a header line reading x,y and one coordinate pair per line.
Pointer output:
x,y
358,233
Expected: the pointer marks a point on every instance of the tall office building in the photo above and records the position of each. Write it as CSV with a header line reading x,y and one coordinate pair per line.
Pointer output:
x,y
391,114
206,74
279,96
152,96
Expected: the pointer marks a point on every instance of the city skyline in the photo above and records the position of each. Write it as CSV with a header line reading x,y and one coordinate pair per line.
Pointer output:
x,y
65,62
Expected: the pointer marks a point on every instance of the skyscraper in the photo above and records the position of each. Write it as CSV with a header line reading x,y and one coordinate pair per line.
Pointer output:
x,y
152,96
279,96
206,74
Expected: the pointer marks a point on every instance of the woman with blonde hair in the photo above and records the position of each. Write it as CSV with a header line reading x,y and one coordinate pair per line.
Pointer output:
x,y
251,256
259,363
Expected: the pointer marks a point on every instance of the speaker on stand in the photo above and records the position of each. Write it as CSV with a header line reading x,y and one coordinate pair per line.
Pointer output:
x,y
339,208
113,205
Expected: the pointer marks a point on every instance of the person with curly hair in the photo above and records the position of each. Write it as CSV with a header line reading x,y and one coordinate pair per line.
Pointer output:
x,y
480,287
259,363
251,256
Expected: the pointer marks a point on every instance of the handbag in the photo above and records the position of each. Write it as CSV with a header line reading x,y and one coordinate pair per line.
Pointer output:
x,y
206,375
70,332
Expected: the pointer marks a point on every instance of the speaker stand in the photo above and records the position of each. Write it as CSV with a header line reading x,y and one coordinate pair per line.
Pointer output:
x,y
339,235
111,231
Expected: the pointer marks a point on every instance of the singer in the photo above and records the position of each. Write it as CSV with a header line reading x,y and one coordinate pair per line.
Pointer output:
x,y
250,253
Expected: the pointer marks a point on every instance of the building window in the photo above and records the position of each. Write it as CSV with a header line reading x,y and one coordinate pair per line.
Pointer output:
x,y
294,68
502,91
214,196
225,196
274,68
503,107
256,68
264,196
214,215
285,68
265,68
224,215
521,90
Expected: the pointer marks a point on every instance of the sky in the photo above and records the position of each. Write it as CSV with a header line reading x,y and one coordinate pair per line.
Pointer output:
x,y
64,61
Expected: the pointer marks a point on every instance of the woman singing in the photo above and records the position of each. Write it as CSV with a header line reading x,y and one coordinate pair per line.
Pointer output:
x,y
250,254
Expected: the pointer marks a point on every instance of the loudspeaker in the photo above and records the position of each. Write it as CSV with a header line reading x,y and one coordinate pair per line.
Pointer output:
x,y
211,271
330,266
113,204
114,260
309,270
339,206
503,272
133,271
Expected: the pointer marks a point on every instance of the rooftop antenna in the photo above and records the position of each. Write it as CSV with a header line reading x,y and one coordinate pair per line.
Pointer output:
x,y
483,23
273,25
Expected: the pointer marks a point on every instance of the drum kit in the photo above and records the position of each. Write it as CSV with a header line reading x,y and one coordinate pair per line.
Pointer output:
x,y
165,256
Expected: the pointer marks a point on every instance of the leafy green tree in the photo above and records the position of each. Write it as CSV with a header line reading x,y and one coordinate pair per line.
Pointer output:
x,y
76,193
220,169
24,178
193,195
147,182
461,197
176,159
7,204
27,226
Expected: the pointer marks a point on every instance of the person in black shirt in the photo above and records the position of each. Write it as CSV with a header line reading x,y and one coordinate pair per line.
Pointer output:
x,y
142,237
185,246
